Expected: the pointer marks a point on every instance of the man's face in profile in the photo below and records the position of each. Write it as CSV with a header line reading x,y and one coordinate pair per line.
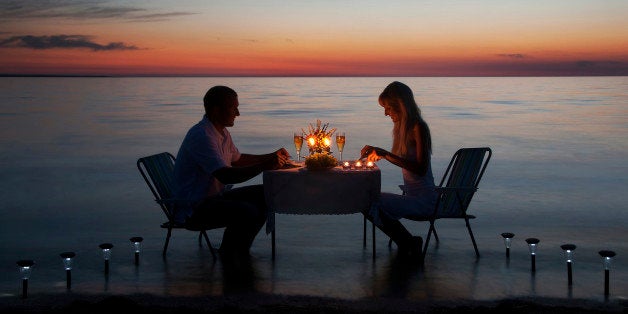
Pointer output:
x,y
228,113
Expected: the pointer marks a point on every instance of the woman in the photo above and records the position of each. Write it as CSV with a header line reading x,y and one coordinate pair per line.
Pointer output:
x,y
411,150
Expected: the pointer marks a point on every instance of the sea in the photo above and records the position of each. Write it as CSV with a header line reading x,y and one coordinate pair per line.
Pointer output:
x,y
558,173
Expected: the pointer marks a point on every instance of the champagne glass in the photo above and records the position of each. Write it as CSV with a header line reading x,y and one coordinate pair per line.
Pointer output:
x,y
298,143
340,141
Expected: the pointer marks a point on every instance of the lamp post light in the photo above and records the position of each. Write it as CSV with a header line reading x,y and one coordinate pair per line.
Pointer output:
x,y
569,248
507,241
106,254
25,267
532,243
607,256
67,265
137,247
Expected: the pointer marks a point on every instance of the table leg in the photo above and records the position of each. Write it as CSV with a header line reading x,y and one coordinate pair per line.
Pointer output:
x,y
364,233
373,225
273,241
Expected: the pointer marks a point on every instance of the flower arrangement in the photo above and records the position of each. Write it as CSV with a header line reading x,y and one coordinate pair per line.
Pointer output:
x,y
318,139
318,161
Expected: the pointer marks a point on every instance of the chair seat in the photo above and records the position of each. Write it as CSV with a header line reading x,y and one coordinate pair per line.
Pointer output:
x,y
425,218
201,226
173,225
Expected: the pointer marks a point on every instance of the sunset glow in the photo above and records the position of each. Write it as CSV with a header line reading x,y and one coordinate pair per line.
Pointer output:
x,y
314,38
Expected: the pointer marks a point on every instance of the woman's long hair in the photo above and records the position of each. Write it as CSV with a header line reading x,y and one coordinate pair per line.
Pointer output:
x,y
401,98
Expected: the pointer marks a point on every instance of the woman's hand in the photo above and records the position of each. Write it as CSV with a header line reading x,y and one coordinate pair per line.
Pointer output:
x,y
372,153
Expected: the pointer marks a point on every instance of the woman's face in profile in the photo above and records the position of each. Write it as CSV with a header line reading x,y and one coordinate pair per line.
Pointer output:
x,y
390,110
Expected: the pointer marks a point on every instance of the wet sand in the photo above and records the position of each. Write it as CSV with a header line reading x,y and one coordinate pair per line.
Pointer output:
x,y
264,303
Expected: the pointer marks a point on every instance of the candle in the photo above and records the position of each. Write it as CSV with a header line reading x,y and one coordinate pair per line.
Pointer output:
x,y
346,165
326,141
358,164
370,164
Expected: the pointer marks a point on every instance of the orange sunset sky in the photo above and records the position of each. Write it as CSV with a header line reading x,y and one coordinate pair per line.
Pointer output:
x,y
314,38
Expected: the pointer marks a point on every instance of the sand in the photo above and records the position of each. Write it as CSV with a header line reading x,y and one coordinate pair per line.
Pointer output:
x,y
262,303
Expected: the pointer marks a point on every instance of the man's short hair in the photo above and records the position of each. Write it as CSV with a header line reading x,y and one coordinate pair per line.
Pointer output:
x,y
217,96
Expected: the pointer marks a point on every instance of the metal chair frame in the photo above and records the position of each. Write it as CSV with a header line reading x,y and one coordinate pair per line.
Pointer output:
x,y
158,170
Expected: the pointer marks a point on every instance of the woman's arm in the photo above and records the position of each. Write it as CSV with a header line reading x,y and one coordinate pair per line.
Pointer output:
x,y
418,165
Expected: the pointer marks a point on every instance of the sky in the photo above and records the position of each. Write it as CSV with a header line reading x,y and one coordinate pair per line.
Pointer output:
x,y
314,37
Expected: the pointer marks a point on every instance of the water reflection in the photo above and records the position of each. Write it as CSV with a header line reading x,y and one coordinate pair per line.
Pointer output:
x,y
239,276
397,277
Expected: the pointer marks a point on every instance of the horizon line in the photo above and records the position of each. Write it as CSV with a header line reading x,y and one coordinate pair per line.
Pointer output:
x,y
287,76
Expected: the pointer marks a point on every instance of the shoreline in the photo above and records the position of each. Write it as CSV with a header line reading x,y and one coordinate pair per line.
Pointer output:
x,y
265,303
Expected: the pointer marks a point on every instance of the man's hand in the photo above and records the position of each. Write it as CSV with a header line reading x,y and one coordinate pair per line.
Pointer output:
x,y
283,152
280,157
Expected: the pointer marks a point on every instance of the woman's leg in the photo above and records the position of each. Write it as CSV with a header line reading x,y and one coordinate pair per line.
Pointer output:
x,y
386,215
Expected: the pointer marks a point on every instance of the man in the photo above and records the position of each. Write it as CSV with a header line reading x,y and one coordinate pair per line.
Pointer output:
x,y
207,161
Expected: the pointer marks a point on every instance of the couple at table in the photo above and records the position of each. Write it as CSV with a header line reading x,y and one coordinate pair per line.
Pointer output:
x,y
208,161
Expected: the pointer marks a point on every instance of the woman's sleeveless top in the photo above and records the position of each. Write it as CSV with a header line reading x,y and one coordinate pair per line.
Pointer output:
x,y
415,184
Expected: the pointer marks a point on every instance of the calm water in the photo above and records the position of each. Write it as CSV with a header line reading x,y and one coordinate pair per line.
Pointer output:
x,y
69,182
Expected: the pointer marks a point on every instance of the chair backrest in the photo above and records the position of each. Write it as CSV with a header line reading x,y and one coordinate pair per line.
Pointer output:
x,y
158,172
461,179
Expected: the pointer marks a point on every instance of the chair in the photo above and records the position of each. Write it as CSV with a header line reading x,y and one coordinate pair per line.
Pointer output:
x,y
158,170
455,191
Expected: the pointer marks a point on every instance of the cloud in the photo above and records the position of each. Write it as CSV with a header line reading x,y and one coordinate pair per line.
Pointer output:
x,y
512,55
61,42
81,9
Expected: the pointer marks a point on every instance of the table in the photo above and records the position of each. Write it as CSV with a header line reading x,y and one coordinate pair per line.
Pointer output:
x,y
334,191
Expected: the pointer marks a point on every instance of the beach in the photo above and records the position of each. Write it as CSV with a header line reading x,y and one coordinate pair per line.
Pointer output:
x,y
295,304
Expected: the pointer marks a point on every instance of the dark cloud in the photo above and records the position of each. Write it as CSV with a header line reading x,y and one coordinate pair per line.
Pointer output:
x,y
512,55
82,9
61,42
159,16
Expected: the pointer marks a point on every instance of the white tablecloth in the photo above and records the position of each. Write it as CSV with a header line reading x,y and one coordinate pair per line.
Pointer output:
x,y
328,192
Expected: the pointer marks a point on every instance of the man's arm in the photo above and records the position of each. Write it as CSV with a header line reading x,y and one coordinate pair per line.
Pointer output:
x,y
249,166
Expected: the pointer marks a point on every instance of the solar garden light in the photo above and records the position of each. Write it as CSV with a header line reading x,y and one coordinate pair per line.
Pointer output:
x,y
568,248
106,254
137,247
25,267
507,241
67,264
532,243
606,256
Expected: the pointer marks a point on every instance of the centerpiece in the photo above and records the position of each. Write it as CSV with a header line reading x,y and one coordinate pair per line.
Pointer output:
x,y
318,140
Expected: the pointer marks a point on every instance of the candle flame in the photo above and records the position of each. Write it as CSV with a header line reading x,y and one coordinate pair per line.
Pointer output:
x,y
327,141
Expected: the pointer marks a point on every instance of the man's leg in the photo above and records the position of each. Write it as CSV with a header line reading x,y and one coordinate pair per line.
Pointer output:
x,y
255,214
242,211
